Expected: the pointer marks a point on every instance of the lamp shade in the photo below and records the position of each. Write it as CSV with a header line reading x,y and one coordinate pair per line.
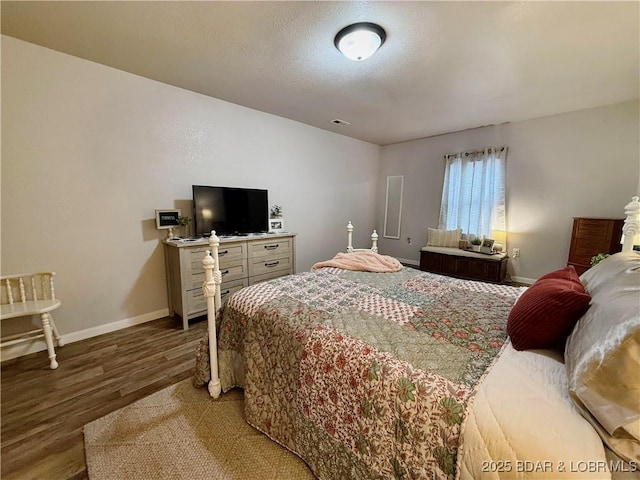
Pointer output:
x,y
500,236
359,41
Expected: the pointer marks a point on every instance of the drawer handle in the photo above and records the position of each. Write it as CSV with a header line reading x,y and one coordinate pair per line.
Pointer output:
x,y
224,252
272,247
224,272
272,264
226,292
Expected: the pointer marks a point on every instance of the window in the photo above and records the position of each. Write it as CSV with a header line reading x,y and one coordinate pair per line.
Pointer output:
x,y
473,195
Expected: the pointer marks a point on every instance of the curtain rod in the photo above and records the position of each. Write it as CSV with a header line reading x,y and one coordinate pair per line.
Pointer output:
x,y
473,152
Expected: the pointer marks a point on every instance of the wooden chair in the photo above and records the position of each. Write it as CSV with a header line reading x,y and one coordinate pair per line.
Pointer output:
x,y
26,295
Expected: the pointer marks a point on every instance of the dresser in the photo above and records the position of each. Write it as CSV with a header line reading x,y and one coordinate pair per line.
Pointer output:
x,y
591,236
243,262
455,262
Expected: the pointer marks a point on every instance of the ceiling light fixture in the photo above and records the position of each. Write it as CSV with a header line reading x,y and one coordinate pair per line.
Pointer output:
x,y
360,40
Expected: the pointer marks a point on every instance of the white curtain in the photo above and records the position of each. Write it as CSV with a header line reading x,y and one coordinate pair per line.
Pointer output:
x,y
473,192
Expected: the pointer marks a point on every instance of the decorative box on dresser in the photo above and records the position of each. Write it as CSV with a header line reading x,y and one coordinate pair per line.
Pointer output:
x,y
591,236
243,262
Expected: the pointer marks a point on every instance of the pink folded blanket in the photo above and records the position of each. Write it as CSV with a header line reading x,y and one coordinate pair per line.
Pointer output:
x,y
365,261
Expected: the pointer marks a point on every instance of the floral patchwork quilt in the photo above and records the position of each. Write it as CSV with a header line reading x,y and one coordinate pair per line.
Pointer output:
x,y
363,375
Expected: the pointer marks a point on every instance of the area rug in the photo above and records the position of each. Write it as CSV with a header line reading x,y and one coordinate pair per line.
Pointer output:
x,y
180,432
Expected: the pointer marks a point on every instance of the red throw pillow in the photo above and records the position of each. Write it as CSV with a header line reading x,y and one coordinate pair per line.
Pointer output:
x,y
566,273
547,311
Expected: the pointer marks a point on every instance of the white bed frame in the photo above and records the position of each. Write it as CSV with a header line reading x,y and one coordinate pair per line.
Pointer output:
x,y
631,227
213,279
350,249
211,289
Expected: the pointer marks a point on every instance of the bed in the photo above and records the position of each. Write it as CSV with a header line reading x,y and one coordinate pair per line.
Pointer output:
x,y
406,374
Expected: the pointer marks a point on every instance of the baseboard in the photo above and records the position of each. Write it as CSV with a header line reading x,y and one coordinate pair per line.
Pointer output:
x,y
528,281
406,261
38,345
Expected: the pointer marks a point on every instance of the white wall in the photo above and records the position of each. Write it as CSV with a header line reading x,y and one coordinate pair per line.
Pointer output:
x,y
584,163
88,153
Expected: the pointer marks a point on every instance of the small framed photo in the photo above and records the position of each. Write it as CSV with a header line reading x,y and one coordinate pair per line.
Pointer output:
x,y
167,219
276,224
463,244
487,245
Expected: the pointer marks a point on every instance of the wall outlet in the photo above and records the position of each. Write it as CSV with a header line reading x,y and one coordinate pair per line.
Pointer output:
x,y
515,253
409,240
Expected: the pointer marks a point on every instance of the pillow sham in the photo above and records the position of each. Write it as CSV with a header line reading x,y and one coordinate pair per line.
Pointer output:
x,y
566,273
547,311
602,354
443,238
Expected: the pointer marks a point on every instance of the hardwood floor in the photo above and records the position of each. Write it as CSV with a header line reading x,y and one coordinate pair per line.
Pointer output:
x,y
43,411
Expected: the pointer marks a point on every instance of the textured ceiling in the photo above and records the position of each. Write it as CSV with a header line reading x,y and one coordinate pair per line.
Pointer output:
x,y
446,66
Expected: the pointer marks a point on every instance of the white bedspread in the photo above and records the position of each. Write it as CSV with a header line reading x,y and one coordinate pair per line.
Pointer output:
x,y
523,425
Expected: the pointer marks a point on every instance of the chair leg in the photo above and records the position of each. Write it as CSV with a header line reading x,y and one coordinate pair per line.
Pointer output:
x,y
56,334
46,327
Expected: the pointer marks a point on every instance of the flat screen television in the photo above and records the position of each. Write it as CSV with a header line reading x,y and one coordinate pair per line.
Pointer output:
x,y
229,211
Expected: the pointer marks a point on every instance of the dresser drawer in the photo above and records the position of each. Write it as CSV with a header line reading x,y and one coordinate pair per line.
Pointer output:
x,y
194,257
229,288
229,255
228,273
260,266
276,248
595,230
196,302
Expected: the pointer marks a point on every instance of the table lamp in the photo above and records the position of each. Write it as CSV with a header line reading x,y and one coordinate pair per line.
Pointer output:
x,y
500,237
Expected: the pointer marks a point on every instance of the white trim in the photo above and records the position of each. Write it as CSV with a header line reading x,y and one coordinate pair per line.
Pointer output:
x,y
27,347
415,263
528,281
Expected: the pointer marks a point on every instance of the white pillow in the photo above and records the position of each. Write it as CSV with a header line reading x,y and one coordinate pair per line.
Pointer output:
x,y
443,238
602,354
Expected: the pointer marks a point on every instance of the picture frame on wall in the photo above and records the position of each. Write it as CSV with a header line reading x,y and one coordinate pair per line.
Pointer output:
x,y
276,225
487,245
